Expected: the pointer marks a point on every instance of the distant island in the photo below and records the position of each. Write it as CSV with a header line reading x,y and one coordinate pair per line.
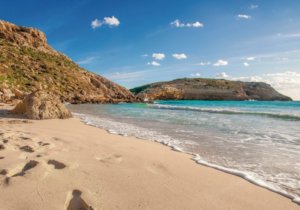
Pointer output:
x,y
208,89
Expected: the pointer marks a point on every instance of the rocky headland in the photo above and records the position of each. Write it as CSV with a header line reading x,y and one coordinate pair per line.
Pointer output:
x,y
28,63
208,89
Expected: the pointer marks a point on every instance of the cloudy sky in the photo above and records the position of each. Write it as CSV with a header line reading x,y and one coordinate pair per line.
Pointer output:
x,y
134,42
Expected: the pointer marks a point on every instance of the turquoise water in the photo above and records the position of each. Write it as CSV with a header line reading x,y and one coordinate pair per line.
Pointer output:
x,y
259,141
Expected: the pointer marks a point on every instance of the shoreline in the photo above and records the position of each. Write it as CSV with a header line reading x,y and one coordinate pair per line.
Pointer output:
x,y
86,119
118,172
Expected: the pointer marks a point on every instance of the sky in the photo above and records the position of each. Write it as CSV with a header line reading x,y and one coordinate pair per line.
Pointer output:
x,y
135,42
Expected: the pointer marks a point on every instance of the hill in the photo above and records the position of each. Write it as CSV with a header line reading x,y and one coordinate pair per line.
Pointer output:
x,y
208,89
28,63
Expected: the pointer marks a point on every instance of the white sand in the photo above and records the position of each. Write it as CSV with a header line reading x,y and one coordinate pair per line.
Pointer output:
x,y
108,172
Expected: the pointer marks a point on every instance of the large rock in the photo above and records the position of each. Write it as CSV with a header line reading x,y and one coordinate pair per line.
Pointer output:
x,y
41,105
208,89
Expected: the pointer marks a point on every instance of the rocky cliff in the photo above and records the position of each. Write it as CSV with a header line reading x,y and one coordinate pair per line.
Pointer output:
x,y
28,63
208,89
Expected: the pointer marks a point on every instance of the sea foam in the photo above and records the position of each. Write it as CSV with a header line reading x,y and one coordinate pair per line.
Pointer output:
x,y
127,129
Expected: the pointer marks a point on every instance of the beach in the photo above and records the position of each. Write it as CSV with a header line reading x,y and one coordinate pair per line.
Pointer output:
x,y
66,164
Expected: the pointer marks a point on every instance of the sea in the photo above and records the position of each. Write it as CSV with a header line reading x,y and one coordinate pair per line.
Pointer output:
x,y
256,140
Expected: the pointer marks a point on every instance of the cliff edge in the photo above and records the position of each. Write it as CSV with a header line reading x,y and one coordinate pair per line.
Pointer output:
x,y
28,63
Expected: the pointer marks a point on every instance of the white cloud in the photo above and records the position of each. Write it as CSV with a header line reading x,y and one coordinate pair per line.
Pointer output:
x,y
282,59
96,23
86,61
221,63
289,36
287,83
126,76
158,56
153,63
196,24
253,6
222,75
145,55
110,21
203,64
243,16
179,56
195,75
246,64
250,58
178,24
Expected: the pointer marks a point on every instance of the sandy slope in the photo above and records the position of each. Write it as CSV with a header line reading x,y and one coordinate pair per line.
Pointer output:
x,y
64,164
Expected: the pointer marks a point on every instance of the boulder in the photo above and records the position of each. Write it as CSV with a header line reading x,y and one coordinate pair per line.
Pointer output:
x,y
42,105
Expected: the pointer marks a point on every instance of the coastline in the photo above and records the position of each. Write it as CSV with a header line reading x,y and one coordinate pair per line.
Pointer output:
x,y
113,172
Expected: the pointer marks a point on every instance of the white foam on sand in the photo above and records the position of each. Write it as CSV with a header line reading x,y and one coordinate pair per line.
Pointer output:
x,y
126,129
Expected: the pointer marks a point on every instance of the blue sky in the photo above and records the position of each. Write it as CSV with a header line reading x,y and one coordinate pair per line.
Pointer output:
x,y
134,42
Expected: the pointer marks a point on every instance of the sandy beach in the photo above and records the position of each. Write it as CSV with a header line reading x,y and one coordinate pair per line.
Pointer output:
x,y
65,164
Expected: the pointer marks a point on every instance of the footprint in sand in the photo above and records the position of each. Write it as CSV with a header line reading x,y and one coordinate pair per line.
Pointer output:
x,y
3,172
27,149
110,159
43,143
77,203
157,168
56,138
25,138
2,147
57,164
28,166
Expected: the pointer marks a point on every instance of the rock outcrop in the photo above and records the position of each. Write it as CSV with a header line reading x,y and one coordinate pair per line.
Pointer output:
x,y
208,89
28,63
9,95
41,105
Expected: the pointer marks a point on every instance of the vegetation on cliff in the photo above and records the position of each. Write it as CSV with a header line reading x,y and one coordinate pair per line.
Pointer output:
x,y
28,63
207,89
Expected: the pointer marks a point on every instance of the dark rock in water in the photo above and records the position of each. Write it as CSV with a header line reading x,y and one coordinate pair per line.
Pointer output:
x,y
208,89
28,64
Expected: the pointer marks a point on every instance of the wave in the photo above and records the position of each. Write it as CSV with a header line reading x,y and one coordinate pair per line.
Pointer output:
x,y
126,129
226,111
249,177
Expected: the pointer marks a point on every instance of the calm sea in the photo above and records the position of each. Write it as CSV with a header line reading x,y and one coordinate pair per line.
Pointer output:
x,y
259,141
